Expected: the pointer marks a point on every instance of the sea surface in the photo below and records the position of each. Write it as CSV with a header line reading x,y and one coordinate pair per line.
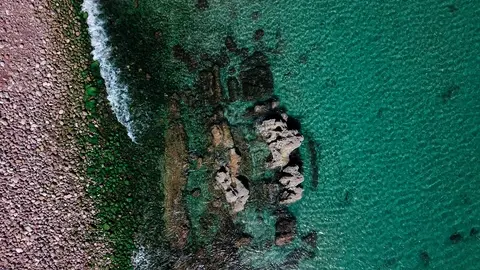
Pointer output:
x,y
389,91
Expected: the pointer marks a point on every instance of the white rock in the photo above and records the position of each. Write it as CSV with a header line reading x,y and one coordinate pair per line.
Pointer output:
x,y
235,192
281,141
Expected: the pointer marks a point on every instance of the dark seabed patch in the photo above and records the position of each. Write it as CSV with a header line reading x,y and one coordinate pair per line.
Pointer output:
x,y
456,238
450,93
425,258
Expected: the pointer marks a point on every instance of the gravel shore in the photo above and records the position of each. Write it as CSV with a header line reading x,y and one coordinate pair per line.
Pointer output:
x,y
45,214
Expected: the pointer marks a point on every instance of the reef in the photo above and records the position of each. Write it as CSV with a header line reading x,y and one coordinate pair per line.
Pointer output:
x,y
230,146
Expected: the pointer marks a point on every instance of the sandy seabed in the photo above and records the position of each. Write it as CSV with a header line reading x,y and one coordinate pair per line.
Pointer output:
x,y
45,214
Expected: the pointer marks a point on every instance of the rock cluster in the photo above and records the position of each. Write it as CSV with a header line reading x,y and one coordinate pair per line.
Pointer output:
x,y
282,141
235,192
292,191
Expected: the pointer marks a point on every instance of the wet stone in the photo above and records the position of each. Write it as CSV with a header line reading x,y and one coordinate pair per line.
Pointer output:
x,y
243,240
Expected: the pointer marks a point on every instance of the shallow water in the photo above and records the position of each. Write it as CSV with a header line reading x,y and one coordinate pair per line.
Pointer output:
x,y
390,94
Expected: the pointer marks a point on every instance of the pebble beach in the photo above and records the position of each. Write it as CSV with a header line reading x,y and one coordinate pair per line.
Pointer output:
x,y
45,213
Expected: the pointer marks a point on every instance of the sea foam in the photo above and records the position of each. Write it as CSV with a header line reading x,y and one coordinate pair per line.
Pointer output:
x,y
117,91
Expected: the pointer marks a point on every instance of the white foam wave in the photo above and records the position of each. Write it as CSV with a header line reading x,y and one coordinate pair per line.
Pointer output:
x,y
117,92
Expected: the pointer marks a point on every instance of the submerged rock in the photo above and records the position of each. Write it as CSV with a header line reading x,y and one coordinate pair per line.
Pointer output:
x,y
230,44
233,86
208,83
285,230
456,237
202,4
425,258
182,55
259,34
256,77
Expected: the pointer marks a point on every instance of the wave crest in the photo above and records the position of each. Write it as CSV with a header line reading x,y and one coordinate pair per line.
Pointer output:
x,y
117,92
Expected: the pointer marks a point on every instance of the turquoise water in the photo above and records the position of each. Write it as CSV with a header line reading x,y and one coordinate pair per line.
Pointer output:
x,y
389,135
390,92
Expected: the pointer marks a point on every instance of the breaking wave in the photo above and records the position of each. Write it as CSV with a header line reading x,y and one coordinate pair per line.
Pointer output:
x,y
117,92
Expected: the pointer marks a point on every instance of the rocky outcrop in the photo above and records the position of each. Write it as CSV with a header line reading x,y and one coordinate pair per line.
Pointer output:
x,y
282,141
292,191
235,192
222,136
